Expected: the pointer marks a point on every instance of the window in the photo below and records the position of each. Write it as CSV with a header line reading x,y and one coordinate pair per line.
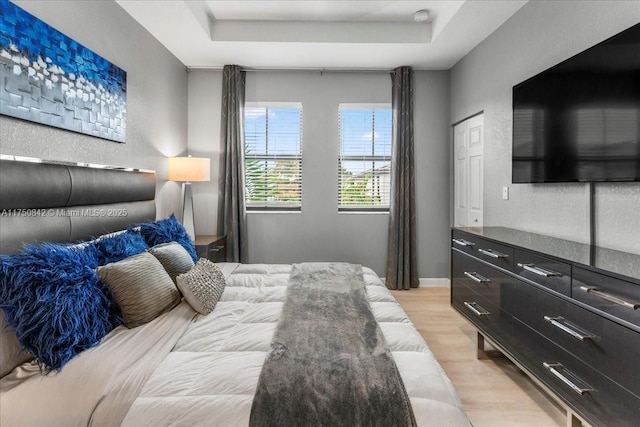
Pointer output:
x,y
273,156
364,178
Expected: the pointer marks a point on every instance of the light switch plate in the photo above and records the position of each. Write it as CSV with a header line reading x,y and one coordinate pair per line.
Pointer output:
x,y
505,193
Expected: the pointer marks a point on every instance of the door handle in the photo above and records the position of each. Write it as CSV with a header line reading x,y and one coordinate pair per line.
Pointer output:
x,y
555,368
493,254
614,299
476,309
539,270
463,242
560,323
476,277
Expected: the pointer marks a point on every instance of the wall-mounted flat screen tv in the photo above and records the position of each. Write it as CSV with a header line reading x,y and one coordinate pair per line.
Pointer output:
x,y
579,121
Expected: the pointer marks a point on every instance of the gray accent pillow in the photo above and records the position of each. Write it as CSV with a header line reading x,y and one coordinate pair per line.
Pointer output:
x,y
202,286
141,287
174,258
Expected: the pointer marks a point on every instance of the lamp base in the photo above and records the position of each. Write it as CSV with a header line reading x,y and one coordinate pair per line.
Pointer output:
x,y
187,210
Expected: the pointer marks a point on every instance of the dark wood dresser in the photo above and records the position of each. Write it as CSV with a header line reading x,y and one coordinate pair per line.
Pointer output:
x,y
566,313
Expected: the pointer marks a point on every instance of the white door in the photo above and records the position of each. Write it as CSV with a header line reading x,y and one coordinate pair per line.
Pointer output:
x,y
460,174
468,170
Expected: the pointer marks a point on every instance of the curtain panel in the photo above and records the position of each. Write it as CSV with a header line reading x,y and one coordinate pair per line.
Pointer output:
x,y
402,266
233,218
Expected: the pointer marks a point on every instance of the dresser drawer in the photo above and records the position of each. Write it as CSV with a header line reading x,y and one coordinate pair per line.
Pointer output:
x,y
544,271
487,250
601,401
464,242
606,346
482,313
495,253
483,279
618,298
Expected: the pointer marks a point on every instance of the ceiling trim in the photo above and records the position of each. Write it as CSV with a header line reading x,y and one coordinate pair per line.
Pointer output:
x,y
307,31
310,69
319,32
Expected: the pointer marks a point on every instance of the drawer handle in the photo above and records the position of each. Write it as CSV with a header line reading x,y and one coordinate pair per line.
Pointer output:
x,y
560,323
552,367
476,309
612,298
463,242
216,249
493,254
476,277
539,270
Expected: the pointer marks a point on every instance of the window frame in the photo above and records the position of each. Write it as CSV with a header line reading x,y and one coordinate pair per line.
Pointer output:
x,y
363,158
272,157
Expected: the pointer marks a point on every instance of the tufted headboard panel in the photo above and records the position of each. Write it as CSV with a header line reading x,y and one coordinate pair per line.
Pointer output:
x,y
63,202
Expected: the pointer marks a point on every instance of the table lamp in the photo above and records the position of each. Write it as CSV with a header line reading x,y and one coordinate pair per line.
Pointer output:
x,y
188,170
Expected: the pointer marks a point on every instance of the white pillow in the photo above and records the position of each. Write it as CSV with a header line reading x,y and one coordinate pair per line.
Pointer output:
x,y
202,286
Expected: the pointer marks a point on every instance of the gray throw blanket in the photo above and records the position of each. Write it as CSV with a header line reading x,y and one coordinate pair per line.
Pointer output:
x,y
329,364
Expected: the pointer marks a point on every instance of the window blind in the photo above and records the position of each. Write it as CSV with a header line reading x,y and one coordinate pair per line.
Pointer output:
x,y
273,157
364,171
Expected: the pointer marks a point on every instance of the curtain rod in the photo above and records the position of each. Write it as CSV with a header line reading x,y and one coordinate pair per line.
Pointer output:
x,y
319,70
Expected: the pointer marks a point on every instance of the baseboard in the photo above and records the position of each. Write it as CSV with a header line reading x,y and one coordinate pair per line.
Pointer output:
x,y
434,282
431,282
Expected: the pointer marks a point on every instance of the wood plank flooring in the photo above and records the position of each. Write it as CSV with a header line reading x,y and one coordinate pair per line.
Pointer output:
x,y
494,392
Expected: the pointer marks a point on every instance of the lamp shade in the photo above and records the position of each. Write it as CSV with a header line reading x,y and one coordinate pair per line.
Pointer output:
x,y
189,169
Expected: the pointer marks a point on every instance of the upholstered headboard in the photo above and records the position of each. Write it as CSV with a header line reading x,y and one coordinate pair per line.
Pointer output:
x,y
64,202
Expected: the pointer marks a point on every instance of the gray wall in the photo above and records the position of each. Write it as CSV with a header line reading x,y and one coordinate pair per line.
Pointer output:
x,y
538,36
205,98
319,232
156,97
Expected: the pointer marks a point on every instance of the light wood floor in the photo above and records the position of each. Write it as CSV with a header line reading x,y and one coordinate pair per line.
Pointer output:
x,y
495,393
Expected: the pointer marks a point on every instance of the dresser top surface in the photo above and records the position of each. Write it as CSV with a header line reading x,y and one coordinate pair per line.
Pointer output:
x,y
623,263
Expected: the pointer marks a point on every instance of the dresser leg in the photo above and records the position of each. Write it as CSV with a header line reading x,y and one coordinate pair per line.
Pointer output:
x,y
572,420
480,351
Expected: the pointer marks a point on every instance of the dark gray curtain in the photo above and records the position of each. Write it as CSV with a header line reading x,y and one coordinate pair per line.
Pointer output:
x,y
232,217
402,267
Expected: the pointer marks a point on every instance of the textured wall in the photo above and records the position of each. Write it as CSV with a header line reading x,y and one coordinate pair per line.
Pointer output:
x,y
156,97
431,91
538,36
319,232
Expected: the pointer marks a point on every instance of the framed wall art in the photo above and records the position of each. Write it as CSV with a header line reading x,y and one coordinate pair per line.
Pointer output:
x,y
48,78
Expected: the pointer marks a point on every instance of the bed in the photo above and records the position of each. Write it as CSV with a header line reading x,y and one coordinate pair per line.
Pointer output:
x,y
185,368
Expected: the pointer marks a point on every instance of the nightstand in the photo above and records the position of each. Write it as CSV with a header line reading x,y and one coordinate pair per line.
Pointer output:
x,y
211,248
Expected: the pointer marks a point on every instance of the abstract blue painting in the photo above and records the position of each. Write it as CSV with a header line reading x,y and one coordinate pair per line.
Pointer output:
x,y
48,78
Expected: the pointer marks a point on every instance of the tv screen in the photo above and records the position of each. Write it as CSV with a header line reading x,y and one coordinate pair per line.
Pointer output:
x,y
579,121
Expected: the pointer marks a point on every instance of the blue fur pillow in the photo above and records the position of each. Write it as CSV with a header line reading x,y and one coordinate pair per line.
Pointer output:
x,y
116,247
165,231
54,302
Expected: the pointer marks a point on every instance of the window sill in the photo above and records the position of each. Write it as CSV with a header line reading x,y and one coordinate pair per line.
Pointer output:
x,y
273,211
355,212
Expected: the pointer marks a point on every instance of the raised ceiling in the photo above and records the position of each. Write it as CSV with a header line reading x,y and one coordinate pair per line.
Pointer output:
x,y
329,34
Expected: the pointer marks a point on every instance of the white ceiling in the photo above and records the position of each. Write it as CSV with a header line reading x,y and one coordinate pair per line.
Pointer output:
x,y
328,34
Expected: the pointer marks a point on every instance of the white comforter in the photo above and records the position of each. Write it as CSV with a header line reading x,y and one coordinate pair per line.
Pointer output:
x,y
184,369
210,376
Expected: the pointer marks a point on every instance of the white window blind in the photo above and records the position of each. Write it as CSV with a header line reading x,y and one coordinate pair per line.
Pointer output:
x,y
364,171
273,157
